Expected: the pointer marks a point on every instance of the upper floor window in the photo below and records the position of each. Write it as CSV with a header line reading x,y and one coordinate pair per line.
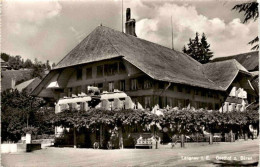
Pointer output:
x,y
147,84
89,73
133,84
188,89
196,91
122,68
79,74
110,69
122,85
111,86
179,88
203,93
100,71
210,94
161,85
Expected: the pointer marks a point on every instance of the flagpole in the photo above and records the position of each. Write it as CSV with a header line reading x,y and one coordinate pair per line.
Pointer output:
x,y
172,34
122,18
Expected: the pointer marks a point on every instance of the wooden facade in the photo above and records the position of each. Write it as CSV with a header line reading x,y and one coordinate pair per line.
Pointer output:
x,y
118,74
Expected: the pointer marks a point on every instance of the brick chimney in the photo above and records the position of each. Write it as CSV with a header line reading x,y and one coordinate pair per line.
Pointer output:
x,y
130,23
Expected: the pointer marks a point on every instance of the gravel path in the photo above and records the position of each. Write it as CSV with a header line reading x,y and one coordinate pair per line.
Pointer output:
x,y
244,152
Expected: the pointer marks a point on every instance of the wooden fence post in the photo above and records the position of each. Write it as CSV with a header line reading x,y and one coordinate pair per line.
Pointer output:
x,y
182,140
75,137
210,138
121,144
101,135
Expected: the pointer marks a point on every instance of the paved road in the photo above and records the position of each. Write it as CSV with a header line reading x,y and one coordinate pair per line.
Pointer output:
x,y
246,152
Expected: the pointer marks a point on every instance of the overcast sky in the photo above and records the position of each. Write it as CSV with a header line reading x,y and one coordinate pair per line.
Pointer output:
x,y
48,30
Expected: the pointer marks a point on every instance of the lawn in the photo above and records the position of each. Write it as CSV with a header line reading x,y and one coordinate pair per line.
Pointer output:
x,y
245,152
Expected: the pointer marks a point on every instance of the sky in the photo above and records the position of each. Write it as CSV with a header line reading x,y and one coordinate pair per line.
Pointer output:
x,y
48,30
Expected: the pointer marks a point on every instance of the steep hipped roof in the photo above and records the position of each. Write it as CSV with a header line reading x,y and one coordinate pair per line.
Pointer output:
x,y
159,62
224,72
249,60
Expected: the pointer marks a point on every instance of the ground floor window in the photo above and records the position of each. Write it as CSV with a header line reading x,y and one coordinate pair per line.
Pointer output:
x,y
133,84
147,102
122,85
111,86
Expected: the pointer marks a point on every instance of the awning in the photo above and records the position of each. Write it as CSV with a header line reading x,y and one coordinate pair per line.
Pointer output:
x,y
54,82
74,100
113,95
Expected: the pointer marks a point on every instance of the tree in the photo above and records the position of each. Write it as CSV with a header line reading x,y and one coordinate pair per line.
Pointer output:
x,y
250,10
19,112
206,53
38,71
5,56
53,65
199,49
28,63
15,62
48,65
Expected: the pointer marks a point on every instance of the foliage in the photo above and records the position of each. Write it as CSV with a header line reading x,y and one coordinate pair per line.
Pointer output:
x,y
181,121
250,10
20,114
5,57
16,63
199,49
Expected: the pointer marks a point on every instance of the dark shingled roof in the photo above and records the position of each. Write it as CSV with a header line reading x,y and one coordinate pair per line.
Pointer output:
x,y
224,72
159,62
249,60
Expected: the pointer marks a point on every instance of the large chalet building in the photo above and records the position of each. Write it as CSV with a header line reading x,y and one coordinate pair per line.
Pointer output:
x,y
149,73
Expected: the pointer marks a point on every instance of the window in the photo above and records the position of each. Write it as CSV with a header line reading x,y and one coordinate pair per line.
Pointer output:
x,y
122,85
88,73
100,71
210,106
110,69
161,85
210,94
179,88
196,91
147,102
69,92
133,84
78,90
172,87
216,96
79,74
217,106
100,86
111,86
147,84
122,68
188,89
203,93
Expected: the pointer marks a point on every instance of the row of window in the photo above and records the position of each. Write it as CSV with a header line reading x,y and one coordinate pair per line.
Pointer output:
x,y
146,101
187,89
103,70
